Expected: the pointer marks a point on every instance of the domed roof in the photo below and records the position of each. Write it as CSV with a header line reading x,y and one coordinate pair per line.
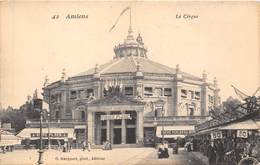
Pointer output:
x,y
129,65
131,56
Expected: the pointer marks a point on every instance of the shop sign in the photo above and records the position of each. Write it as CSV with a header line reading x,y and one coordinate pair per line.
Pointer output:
x,y
60,135
242,133
116,117
216,135
175,132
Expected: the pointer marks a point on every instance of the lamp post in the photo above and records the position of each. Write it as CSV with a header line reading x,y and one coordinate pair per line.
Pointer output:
x,y
37,105
163,122
49,142
40,161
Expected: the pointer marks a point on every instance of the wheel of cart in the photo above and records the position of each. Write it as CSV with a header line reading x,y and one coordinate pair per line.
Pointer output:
x,y
249,161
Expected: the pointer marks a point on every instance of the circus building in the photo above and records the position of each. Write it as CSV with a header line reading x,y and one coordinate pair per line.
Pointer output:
x,y
128,100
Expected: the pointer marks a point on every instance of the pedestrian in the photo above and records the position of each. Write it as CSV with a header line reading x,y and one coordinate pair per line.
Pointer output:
x,y
165,152
104,145
3,149
248,149
109,145
211,154
160,150
256,150
189,147
59,145
69,146
84,145
219,153
89,146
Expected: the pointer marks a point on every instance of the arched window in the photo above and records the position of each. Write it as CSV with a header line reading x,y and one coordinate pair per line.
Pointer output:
x,y
83,115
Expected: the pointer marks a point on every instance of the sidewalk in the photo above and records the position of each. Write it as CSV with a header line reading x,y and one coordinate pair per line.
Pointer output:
x,y
203,159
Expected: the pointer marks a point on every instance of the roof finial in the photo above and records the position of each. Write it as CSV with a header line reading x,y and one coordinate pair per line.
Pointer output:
x,y
139,39
204,75
96,68
35,94
46,81
215,81
177,68
63,75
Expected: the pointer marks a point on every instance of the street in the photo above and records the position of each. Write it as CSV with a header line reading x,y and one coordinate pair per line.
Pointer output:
x,y
117,156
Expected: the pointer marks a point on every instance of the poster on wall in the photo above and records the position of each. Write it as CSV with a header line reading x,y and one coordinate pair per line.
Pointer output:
x,y
242,133
216,135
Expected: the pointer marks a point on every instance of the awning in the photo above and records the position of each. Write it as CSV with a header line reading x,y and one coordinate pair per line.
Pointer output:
x,y
206,131
55,133
8,138
174,131
247,125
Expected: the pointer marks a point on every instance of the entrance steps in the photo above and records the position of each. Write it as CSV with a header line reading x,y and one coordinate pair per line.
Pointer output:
x,y
119,146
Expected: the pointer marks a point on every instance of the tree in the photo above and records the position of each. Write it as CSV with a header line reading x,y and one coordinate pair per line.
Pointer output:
x,y
13,116
231,104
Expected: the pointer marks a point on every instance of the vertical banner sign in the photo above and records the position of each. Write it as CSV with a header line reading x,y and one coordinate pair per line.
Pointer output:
x,y
242,133
216,135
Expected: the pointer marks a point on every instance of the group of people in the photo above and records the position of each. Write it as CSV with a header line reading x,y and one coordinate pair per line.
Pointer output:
x,y
228,151
107,145
86,146
66,147
163,151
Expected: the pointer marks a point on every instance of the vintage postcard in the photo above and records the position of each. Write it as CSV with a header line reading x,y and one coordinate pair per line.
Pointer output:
x,y
137,82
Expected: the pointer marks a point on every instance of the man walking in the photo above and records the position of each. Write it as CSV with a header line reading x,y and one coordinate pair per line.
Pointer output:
x,y
84,145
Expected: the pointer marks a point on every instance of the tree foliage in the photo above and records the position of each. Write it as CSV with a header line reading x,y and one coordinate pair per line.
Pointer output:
x,y
231,104
18,117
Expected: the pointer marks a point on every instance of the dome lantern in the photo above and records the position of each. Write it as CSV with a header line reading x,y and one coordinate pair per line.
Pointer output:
x,y
131,47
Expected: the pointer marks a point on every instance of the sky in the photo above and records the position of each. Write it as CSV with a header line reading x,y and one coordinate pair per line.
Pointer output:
x,y
223,40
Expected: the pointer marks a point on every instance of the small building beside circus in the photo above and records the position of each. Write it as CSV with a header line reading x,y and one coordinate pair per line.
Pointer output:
x,y
238,126
8,139
129,99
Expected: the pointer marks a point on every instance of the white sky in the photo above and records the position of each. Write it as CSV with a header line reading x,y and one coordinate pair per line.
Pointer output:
x,y
224,41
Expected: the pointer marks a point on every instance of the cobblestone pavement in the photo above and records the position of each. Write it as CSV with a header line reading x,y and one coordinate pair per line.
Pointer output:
x,y
118,156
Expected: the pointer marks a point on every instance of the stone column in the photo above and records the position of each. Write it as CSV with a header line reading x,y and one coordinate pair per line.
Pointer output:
x,y
98,130
111,131
123,130
108,130
204,100
91,133
140,126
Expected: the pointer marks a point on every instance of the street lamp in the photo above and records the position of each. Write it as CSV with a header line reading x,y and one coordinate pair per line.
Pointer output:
x,y
40,161
48,116
37,105
163,111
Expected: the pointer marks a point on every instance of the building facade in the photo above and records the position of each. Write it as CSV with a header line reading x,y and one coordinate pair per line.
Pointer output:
x,y
129,98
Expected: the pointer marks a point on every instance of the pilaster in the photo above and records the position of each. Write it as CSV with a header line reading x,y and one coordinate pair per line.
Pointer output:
x,y
108,129
140,127
123,130
91,133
